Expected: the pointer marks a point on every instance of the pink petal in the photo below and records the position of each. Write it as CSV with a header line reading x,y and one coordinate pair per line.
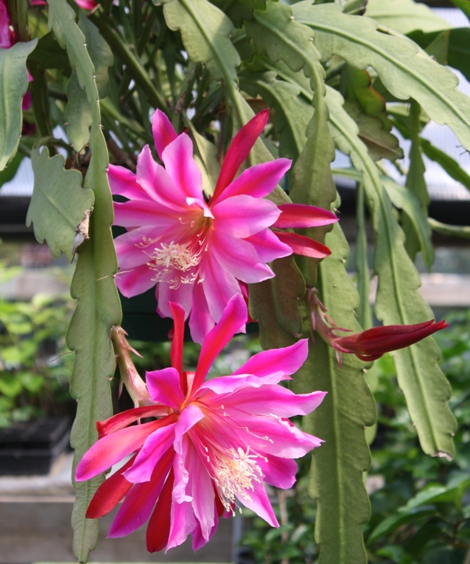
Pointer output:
x,y
239,150
190,415
239,258
163,131
86,4
300,215
177,345
131,249
149,456
139,502
139,213
287,359
260,504
234,317
258,180
278,472
123,182
304,245
219,286
180,165
155,180
164,387
201,489
242,216
135,281
231,384
267,246
181,295
276,400
126,418
200,322
113,448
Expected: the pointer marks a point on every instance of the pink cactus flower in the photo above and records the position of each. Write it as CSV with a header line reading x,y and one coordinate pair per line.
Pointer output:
x,y
211,445
372,343
201,250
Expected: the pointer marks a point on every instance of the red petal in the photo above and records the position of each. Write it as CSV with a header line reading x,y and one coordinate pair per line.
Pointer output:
x,y
110,493
239,150
373,343
300,215
305,246
158,529
177,344
124,419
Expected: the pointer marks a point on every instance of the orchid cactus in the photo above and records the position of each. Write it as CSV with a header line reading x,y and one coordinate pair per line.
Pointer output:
x,y
206,130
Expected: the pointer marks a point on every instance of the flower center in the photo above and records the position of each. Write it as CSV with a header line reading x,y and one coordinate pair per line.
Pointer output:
x,y
171,260
235,475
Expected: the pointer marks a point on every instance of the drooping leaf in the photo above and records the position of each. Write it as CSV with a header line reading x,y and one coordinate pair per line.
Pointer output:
x,y
408,202
205,31
13,86
291,113
338,534
451,230
405,70
98,306
59,203
398,300
405,16
277,35
336,479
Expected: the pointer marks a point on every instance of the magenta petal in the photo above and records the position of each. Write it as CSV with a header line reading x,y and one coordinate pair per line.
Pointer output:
x,y
139,502
190,415
231,384
180,165
113,448
153,449
258,502
163,131
201,488
164,387
242,216
276,400
123,182
181,295
200,322
300,215
139,213
239,150
258,180
135,281
234,317
287,359
304,245
278,472
177,345
267,246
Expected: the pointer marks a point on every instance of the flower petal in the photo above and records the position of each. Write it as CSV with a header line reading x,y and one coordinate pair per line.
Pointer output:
x,y
278,472
201,488
181,295
268,246
200,322
258,180
126,418
139,502
287,359
242,216
304,245
260,504
113,448
300,215
239,150
164,387
135,280
234,317
177,344
158,528
123,182
163,131
139,213
180,165
149,456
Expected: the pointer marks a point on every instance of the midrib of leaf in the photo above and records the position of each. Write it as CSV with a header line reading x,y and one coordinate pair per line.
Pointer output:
x,y
370,169
220,61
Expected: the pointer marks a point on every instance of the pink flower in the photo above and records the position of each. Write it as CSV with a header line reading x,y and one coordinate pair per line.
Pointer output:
x,y
372,343
201,250
211,444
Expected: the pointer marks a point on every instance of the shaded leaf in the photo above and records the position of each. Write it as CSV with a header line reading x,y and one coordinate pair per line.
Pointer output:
x,y
58,204
49,55
205,31
13,86
398,300
405,16
406,71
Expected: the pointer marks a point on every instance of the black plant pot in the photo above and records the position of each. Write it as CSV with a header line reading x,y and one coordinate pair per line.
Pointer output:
x,y
29,448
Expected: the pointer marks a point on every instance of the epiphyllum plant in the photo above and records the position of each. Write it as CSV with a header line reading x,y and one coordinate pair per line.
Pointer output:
x,y
201,250
211,444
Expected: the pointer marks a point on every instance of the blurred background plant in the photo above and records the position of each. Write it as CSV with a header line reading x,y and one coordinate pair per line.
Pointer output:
x,y
35,364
